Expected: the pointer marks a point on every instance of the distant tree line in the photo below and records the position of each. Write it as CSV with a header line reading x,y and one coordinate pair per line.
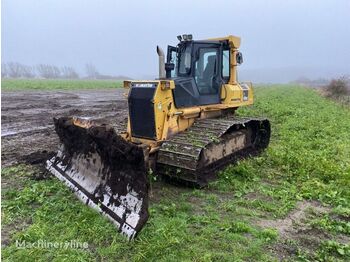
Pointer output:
x,y
339,87
319,82
18,70
304,81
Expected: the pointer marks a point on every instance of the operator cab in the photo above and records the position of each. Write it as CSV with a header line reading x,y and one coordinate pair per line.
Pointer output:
x,y
199,69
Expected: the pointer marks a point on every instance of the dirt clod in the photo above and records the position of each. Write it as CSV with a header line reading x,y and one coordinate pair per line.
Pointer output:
x,y
38,157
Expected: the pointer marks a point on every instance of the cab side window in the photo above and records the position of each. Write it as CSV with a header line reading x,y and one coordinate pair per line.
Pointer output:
x,y
226,65
173,59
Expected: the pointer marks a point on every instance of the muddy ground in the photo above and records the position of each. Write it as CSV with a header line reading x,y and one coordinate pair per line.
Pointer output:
x,y
27,130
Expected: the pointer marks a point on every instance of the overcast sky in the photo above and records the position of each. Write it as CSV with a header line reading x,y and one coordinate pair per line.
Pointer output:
x,y
120,37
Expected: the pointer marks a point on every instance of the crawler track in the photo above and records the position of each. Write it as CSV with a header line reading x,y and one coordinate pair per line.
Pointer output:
x,y
196,154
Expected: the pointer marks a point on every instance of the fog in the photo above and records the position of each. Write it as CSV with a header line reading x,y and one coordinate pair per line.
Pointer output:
x,y
281,40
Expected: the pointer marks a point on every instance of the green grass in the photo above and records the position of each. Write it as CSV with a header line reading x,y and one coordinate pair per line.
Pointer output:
x,y
308,159
45,84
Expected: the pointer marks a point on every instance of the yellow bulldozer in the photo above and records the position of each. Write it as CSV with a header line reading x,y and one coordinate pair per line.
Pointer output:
x,y
181,126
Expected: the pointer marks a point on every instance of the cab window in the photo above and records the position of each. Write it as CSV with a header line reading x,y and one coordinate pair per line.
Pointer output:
x,y
226,64
205,70
173,59
185,61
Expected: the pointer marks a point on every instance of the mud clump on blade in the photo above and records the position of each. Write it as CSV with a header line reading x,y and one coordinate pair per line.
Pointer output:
x,y
123,166
122,158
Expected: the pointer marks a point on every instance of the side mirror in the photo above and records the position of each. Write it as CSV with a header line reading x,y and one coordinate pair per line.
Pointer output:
x,y
168,68
239,58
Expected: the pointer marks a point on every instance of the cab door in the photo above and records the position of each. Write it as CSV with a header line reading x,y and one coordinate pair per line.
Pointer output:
x,y
198,73
206,70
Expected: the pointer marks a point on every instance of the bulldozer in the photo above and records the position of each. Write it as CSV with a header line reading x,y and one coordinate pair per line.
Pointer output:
x,y
181,126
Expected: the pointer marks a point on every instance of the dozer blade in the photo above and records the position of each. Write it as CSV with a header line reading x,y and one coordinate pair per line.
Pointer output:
x,y
105,171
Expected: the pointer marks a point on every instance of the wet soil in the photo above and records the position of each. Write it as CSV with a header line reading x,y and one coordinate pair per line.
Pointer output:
x,y
295,228
27,128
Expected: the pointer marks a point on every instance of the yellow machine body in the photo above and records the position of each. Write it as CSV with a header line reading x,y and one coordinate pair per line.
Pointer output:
x,y
170,120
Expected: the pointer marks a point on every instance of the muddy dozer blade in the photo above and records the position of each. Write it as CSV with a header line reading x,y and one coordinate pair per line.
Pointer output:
x,y
105,171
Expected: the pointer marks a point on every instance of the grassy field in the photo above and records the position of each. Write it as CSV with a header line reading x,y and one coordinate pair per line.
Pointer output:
x,y
292,202
45,84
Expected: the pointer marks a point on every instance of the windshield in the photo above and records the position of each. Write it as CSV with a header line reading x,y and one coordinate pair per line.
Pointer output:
x,y
184,60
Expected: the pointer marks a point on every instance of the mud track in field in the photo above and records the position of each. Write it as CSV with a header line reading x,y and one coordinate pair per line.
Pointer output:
x,y
27,129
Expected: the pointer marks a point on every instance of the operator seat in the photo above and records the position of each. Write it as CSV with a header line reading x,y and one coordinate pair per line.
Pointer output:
x,y
208,74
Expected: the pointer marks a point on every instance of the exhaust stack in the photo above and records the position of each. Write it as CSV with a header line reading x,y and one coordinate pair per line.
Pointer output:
x,y
161,56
